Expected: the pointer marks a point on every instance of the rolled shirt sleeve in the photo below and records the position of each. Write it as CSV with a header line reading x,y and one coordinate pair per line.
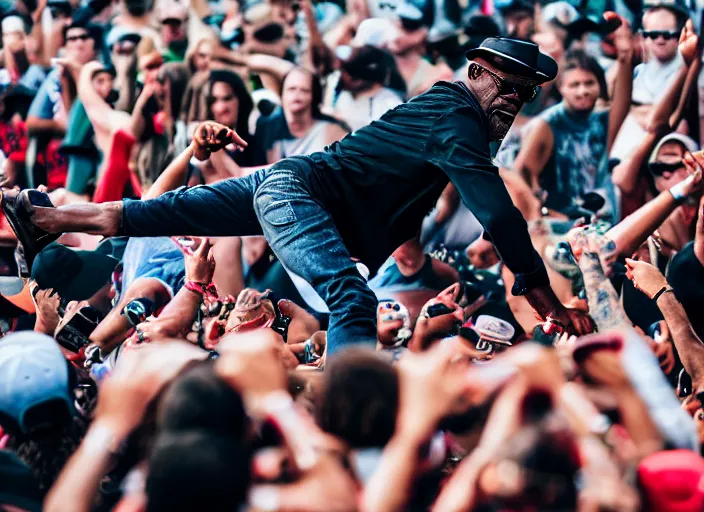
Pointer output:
x,y
460,147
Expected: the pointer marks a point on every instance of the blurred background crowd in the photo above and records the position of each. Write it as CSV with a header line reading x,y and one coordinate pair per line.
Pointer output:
x,y
192,374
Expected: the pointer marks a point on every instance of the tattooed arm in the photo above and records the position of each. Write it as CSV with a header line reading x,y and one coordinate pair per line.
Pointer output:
x,y
604,306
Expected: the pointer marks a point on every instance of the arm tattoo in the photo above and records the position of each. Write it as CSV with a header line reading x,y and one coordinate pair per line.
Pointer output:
x,y
604,305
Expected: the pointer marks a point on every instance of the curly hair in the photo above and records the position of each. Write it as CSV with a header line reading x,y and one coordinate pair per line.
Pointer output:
x,y
46,453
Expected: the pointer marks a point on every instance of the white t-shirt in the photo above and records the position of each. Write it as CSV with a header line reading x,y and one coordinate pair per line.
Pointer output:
x,y
360,111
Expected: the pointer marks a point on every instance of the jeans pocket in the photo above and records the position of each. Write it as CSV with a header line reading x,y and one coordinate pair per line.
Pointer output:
x,y
279,213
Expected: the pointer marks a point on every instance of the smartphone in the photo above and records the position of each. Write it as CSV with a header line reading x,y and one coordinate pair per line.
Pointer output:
x,y
75,333
438,309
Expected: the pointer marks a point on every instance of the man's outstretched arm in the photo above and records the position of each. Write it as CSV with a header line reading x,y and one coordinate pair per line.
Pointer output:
x,y
459,151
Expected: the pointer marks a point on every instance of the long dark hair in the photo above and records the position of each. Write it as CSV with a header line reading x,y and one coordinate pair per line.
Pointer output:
x,y
239,89
178,75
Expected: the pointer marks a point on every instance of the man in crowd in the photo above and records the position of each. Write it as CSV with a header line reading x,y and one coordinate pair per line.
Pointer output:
x,y
173,18
48,113
662,23
443,134
364,94
564,153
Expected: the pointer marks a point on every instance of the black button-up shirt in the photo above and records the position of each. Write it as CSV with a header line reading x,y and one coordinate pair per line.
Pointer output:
x,y
380,181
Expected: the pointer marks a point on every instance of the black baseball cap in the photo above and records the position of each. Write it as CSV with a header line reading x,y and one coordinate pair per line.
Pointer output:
x,y
365,62
74,274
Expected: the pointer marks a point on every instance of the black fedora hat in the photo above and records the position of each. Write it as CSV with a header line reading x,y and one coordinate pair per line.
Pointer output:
x,y
516,57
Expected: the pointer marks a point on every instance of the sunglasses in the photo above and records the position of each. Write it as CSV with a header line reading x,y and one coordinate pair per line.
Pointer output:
x,y
81,37
665,34
525,93
657,169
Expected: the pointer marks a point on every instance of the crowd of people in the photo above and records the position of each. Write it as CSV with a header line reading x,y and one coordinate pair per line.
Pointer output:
x,y
381,255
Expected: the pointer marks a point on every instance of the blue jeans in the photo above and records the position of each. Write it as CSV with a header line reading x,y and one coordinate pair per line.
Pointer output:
x,y
279,204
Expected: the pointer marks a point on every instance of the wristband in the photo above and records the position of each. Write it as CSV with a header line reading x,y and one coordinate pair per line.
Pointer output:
x,y
662,290
206,290
678,191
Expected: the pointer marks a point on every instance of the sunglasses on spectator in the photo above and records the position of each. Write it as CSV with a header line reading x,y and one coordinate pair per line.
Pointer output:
x,y
665,34
525,93
173,22
657,169
82,37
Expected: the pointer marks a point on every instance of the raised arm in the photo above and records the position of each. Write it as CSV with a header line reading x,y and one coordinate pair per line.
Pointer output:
x,y
269,66
483,191
178,315
173,176
650,281
621,101
691,53
103,118
604,304
632,231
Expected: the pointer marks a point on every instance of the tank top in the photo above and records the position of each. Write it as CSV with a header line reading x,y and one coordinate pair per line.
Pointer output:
x,y
579,162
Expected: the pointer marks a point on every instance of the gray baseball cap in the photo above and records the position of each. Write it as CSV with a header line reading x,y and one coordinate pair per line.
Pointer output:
x,y
34,372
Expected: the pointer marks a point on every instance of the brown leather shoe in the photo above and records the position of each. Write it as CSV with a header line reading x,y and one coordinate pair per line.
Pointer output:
x,y
19,209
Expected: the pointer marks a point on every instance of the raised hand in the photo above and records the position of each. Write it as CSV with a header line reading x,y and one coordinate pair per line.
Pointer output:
x,y
645,277
200,265
210,137
622,37
47,306
689,43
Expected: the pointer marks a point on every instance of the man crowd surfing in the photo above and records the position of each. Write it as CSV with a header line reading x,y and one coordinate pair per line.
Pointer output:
x,y
374,255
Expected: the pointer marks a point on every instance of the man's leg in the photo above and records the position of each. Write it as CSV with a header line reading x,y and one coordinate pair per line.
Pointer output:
x,y
223,209
303,236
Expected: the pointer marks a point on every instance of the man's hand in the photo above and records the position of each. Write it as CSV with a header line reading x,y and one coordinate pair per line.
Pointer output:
x,y
303,325
432,385
47,306
623,38
645,277
689,42
200,265
661,346
70,66
430,327
210,137
250,362
546,304
692,184
576,321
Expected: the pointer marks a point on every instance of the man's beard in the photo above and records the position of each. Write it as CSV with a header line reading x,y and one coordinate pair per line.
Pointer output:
x,y
499,125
